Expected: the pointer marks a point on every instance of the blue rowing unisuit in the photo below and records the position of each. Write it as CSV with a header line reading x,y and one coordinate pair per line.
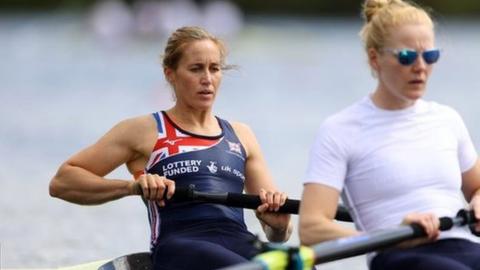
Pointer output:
x,y
190,235
211,163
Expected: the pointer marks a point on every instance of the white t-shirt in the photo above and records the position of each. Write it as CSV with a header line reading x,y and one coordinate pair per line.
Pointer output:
x,y
390,163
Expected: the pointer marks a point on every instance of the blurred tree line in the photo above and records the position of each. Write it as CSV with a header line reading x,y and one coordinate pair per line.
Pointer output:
x,y
469,8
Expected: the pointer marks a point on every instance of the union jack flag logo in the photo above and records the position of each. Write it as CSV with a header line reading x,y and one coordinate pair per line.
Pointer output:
x,y
235,147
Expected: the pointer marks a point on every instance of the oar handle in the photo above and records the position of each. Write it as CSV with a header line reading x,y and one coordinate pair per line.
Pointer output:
x,y
291,206
248,201
463,217
253,202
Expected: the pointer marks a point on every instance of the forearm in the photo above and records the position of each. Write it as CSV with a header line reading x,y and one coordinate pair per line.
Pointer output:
x,y
277,234
475,197
77,185
316,230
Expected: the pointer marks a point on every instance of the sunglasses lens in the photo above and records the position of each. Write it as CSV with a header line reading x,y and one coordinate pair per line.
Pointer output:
x,y
407,57
431,56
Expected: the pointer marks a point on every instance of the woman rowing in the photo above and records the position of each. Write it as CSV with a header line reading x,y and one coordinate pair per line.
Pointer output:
x,y
394,157
183,145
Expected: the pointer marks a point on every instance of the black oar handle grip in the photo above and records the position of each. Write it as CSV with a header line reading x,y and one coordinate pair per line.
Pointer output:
x,y
469,219
468,216
291,206
446,223
464,217
248,201
181,194
253,201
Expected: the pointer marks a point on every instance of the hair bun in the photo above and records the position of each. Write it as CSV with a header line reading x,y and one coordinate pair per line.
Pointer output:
x,y
371,7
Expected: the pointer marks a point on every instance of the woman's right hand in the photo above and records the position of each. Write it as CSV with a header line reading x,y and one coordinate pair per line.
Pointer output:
x,y
429,222
152,187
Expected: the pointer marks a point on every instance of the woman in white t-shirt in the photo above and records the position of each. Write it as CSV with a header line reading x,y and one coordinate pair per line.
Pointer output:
x,y
394,157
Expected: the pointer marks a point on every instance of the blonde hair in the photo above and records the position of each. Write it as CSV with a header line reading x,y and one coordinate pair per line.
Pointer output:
x,y
181,38
382,15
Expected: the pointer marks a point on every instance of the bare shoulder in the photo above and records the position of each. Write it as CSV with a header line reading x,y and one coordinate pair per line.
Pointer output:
x,y
143,121
242,129
133,130
135,124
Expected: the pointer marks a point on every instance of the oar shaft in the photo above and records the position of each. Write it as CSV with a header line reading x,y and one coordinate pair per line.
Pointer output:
x,y
356,245
361,244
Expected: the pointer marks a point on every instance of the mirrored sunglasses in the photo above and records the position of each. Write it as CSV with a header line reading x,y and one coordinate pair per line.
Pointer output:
x,y
407,57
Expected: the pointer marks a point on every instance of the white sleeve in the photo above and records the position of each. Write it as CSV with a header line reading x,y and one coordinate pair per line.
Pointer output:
x,y
467,155
328,160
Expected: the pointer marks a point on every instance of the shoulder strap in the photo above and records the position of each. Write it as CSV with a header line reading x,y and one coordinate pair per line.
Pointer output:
x,y
158,119
231,137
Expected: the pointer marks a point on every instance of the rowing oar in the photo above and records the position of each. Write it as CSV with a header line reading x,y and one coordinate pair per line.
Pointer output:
x,y
243,201
304,258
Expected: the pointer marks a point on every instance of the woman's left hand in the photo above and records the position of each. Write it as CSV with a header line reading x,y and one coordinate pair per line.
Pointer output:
x,y
267,211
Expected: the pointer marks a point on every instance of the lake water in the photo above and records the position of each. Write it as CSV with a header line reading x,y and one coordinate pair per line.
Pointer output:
x,y
61,89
